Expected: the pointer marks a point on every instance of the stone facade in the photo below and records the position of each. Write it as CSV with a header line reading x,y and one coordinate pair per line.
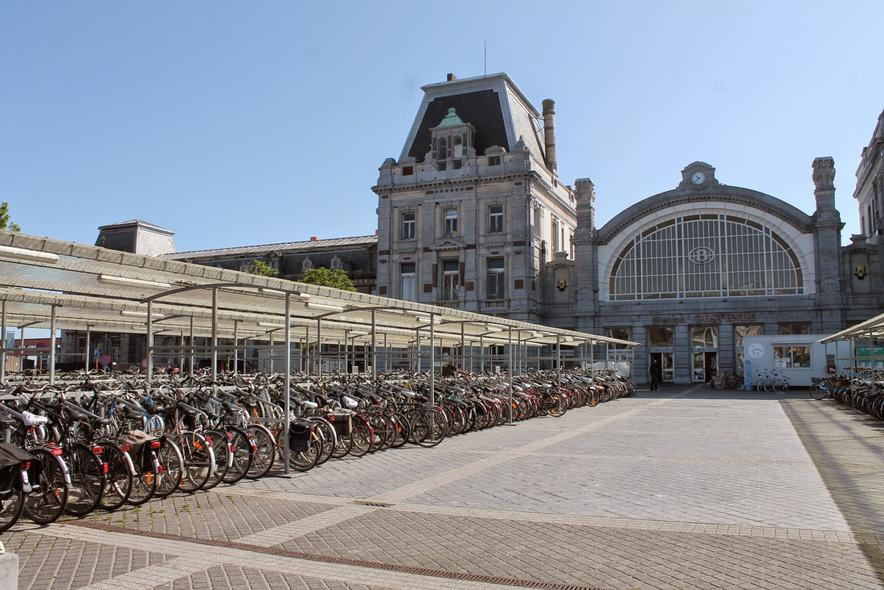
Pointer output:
x,y
473,210
473,215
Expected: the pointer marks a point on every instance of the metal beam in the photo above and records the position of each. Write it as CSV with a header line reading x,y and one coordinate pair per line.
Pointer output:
x,y
288,377
52,345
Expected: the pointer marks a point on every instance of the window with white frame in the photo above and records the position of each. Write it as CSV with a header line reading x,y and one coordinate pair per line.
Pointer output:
x,y
407,281
495,281
451,222
495,219
409,225
450,280
791,357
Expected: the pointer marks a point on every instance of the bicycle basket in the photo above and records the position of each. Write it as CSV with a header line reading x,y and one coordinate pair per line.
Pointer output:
x,y
343,423
300,432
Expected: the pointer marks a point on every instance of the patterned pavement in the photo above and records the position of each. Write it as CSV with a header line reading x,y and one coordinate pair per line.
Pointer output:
x,y
680,489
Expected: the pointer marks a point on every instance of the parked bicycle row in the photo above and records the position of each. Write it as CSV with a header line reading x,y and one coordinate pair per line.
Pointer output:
x,y
861,389
104,441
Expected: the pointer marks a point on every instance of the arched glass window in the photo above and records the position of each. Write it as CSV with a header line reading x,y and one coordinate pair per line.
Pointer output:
x,y
705,256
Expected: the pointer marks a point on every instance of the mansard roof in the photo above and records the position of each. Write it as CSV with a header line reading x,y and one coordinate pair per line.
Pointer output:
x,y
493,104
734,194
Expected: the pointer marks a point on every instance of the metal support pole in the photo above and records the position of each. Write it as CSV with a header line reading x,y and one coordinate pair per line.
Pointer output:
x,y
386,355
481,354
149,341
511,371
192,358
433,359
559,360
271,351
417,350
52,345
308,368
462,357
181,355
374,351
215,335
346,351
592,357
3,337
235,347
86,354
319,347
288,375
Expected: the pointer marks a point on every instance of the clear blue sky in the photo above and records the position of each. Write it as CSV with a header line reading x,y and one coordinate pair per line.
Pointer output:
x,y
253,122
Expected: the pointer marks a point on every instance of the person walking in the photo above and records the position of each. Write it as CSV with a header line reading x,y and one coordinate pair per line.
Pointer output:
x,y
656,375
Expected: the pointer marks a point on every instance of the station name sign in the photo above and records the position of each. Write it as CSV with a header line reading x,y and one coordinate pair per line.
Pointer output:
x,y
724,317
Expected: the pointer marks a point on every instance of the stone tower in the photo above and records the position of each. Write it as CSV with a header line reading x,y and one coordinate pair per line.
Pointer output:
x,y
827,237
586,255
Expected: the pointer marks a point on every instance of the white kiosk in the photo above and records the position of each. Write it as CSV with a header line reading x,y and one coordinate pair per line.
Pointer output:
x,y
798,357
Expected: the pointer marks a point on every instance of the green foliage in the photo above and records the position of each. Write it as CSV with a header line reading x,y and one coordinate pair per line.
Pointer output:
x,y
336,279
261,268
4,218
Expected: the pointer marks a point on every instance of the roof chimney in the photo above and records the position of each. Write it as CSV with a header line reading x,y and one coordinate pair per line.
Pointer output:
x,y
549,133
314,239
450,77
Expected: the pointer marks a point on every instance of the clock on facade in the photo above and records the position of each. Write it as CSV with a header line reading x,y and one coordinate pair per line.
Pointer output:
x,y
698,178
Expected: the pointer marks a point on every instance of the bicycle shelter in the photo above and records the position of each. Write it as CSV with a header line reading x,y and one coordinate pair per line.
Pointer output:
x,y
59,285
867,343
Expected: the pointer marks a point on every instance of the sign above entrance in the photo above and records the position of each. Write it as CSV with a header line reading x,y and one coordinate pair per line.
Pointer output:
x,y
701,255
724,317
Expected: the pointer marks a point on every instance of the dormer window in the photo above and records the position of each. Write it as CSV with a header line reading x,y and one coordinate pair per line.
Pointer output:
x,y
458,147
452,139
442,149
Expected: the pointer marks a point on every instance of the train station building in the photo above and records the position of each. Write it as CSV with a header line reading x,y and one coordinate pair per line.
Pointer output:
x,y
473,215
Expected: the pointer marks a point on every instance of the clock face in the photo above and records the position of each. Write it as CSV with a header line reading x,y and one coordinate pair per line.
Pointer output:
x,y
698,178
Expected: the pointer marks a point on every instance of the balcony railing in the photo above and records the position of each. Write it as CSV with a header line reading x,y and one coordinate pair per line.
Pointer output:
x,y
496,303
451,304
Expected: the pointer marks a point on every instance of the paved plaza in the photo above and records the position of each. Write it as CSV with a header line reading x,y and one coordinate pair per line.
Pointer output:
x,y
685,488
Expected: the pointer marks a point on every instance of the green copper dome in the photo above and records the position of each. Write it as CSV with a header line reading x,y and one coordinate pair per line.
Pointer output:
x,y
451,119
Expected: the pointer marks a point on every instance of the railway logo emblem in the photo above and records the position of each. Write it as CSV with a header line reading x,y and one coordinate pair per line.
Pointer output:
x,y
701,255
860,271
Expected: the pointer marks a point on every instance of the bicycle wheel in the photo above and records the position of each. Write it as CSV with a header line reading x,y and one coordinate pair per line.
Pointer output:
x,y
87,480
402,428
430,427
12,500
241,451
170,468
306,460
265,451
199,459
144,482
49,496
118,477
329,439
360,437
221,449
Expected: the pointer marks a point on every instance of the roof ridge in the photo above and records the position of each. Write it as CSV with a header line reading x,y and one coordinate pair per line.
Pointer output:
x,y
270,245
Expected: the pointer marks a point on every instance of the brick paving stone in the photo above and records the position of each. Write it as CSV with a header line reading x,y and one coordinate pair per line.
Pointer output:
x,y
580,554
231,577
209,515
49,563
674,490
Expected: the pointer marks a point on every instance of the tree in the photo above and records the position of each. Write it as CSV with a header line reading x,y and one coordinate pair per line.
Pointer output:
x,y
4,218
261,268
337,279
